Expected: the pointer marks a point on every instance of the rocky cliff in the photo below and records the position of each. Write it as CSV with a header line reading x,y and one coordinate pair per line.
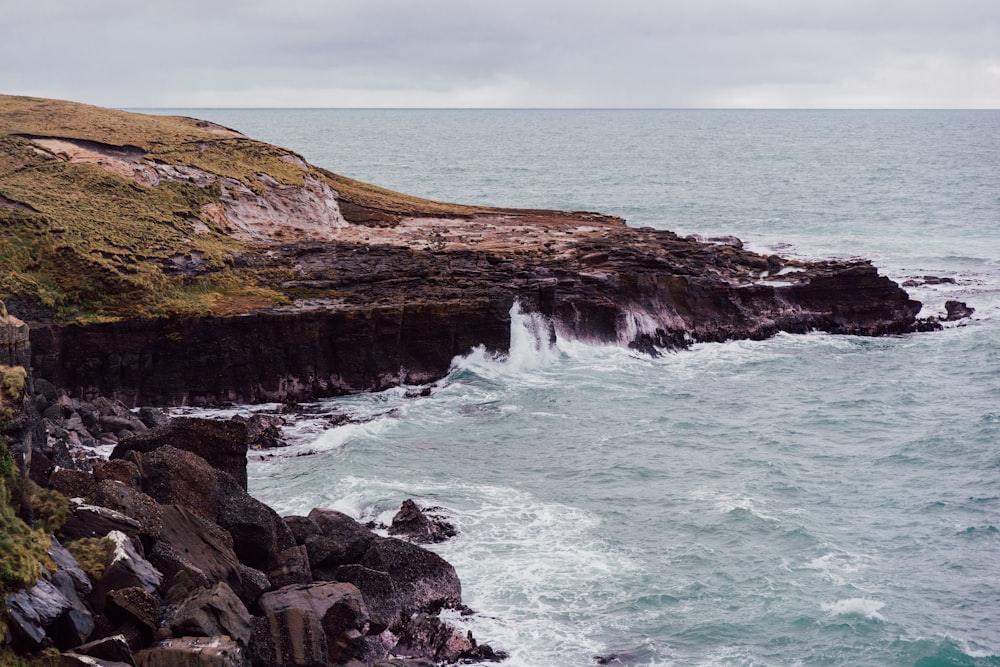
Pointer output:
x,y
169,260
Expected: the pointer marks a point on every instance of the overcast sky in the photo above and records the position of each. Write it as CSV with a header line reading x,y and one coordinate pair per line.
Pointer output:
x,y
504,53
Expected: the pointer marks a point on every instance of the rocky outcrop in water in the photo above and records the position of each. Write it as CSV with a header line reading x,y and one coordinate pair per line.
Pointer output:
x,y
402,312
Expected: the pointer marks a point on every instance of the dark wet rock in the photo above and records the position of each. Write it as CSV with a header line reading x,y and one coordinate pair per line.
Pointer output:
x,y
223,444
122,470
427,636
404,662
291,566
957,310
416,525
302,527
320,623
175,476
254,583
95,521
379,592
127,569
114,424
192,551
135,504
423,579
216,611
258,532
66,563
193,652
264,431
110,650
72,483
341,541
135,613
32,612
153,417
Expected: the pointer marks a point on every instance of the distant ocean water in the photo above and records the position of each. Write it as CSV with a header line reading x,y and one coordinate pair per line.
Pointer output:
x,y
805,500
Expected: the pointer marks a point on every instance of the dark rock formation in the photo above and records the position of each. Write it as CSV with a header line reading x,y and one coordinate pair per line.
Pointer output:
x,y
957,310
406,305
416,525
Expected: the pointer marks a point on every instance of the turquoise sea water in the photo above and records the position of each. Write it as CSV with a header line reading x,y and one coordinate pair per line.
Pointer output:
x,y
806,500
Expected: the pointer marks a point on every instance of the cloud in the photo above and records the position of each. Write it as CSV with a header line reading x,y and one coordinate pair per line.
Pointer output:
x,y
622,53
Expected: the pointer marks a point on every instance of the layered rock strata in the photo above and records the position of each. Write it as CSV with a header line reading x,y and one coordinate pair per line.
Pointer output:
x,y
399,307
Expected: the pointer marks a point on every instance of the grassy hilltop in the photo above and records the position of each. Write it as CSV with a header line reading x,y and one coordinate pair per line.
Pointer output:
x,y
84,237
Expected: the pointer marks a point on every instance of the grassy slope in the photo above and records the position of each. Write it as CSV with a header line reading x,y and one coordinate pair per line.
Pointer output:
x,y
91,245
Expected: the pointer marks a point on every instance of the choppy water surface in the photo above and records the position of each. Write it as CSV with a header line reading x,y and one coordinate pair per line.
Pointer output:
x,y
806,500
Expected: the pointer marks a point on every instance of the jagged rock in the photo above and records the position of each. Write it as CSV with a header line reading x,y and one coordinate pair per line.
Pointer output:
x,y
66,563
115,424
175,476
379,592
122,470
422,578
71,483
416,525
254,583
109,408
302,527
193,550
341,541
74,659
318,624
257,530
193,652
957,310
426,636
127,569
110,650
291,566
135,504
153,417
95,521
223,444
264,431
216,611
135,613
31,612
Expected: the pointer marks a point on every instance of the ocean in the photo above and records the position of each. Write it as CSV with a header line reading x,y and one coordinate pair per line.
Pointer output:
x,y
804,500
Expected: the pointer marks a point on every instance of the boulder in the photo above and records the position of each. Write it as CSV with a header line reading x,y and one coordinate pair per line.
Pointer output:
x,y
258,532
110,650
222,443
254,584
65,561
210,612
133,503
311,624
957,310
71,483
423,579
427,636
341,541
379,593
193,652
31,612
196,548
153,417
95,521
74,659
302,527
122,470
175,476
135,614
264,431
414,524
291,566
127,569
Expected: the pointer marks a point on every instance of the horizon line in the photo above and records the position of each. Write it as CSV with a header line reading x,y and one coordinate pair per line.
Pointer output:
x,y
362,108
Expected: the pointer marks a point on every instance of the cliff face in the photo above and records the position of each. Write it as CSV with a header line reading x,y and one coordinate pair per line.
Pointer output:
x,y
175,261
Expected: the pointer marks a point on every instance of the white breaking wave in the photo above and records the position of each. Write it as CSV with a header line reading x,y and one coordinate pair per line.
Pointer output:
x,y
865,607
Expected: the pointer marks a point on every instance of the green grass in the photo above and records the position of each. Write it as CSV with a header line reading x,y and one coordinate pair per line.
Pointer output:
x,y
91,245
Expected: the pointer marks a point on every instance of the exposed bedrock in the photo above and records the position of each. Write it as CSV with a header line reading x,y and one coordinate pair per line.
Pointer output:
x,y
378,315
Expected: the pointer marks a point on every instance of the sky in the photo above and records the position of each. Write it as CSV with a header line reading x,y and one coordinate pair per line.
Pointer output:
x,y
505,53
